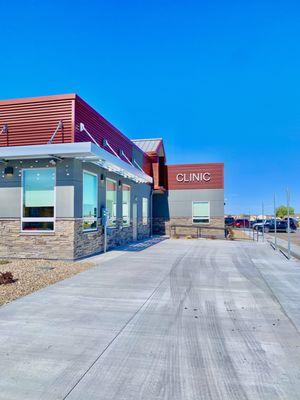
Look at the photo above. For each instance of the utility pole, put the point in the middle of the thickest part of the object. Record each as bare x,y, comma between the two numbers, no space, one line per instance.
275,222
288,222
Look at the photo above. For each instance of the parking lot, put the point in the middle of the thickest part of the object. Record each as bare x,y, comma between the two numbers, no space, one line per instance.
295,236
180,320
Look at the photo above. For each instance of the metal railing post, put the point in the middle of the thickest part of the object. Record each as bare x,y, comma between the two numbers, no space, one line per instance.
288,222
275,223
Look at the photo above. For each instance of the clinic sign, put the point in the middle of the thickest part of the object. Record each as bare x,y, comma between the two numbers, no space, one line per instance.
195,176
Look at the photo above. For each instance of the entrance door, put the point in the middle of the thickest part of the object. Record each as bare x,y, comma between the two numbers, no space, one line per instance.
134,221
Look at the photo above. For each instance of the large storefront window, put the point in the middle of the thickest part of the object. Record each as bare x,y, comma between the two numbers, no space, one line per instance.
201,212
145,211
90,201
126,204
38,199
111,201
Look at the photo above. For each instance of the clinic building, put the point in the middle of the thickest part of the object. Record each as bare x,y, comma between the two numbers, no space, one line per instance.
71,184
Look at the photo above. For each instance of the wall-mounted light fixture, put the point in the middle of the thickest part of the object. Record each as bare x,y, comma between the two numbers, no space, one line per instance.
120,183
102,178
8,172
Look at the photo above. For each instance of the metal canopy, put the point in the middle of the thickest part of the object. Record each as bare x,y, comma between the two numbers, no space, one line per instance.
84,151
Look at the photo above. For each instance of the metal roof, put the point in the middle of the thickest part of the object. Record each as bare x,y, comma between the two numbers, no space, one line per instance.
148,145
84,151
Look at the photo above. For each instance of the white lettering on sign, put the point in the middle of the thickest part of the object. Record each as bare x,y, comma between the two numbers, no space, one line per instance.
194,177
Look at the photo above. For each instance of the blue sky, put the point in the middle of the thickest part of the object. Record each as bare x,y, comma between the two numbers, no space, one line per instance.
218,80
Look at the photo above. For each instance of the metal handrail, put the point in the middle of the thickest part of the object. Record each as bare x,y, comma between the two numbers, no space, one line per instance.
198,229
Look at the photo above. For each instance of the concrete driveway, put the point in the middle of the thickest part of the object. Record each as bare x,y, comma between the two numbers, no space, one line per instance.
183,319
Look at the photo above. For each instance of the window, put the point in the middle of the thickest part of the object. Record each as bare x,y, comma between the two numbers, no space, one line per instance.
201,214
38,199
90,201
145,211
111,201
126,204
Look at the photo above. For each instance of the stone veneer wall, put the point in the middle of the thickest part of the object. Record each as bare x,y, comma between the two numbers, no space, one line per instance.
121,235
68,242
143,230
87,243
161,226
52,245
118,235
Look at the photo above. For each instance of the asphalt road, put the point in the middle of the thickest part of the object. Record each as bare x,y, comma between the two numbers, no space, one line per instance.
181,320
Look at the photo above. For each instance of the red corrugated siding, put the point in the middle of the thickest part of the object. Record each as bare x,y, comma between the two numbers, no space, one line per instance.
147,165
215,169
155,169
99,128
33,121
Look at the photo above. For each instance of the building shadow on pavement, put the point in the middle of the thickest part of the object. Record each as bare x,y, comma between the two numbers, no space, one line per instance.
141,244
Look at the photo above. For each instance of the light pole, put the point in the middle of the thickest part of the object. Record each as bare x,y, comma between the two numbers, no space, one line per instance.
263,225
275,222
288,222
250,225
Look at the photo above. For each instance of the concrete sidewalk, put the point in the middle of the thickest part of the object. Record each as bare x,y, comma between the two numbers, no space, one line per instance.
283,244
184,319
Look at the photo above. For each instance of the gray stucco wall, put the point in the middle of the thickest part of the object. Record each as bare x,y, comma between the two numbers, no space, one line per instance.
10,187
178,203
138,190
68,188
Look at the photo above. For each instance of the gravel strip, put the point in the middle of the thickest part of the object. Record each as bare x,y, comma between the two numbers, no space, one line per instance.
32,275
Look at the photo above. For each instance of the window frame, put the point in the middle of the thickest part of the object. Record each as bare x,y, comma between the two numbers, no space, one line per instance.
201,201
147,209
39,219
92,219
129,210
112,226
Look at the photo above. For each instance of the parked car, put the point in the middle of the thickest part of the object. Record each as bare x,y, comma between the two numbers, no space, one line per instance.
260,222
281,226
241,223
294,220
229,221
256,221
